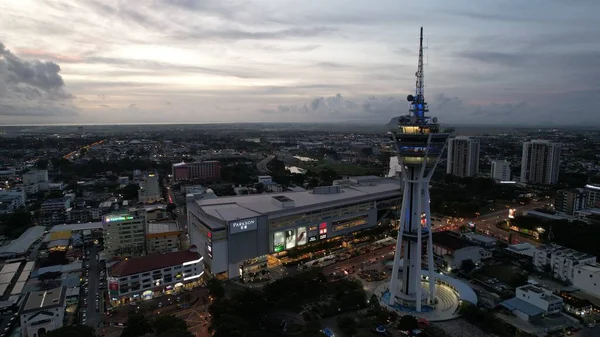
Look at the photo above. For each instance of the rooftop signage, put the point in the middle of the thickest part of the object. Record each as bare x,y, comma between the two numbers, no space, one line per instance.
112,218
240,226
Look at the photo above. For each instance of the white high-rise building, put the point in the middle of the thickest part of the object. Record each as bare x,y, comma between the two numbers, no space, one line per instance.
500,170
540,162
463,156
124,235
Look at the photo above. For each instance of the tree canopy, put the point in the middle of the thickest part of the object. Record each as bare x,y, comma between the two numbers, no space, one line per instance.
164,326
72,331
245,312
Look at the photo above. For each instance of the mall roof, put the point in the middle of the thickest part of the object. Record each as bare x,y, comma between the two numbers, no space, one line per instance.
142,264
45,299
345,190
522,306
23,242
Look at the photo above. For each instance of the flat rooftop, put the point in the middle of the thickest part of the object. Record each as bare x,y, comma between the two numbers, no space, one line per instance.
162,227
564,252
243,207
46,299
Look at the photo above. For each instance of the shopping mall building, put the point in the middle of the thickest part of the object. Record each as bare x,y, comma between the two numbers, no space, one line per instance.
233,233
146,277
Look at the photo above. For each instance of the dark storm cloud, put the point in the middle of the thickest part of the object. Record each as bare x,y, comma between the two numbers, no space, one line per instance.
31,87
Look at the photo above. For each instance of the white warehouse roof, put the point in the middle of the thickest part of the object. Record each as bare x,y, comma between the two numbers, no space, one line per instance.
23,242
77,227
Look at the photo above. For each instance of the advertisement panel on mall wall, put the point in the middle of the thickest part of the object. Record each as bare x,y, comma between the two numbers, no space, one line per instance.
313,238
290,238
113,286
278,241
302,236
240,226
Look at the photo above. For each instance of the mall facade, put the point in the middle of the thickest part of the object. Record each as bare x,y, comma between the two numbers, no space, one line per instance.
233,233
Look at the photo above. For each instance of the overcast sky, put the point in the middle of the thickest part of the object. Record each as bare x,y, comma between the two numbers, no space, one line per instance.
534,62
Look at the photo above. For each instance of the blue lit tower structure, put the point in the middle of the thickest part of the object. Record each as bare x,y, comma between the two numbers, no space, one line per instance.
419,144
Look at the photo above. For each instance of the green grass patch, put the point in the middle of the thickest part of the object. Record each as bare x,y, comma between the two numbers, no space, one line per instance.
351,169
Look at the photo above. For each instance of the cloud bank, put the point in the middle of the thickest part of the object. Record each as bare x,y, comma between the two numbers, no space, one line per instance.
31,88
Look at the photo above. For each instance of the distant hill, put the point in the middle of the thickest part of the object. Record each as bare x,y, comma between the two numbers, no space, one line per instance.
393,121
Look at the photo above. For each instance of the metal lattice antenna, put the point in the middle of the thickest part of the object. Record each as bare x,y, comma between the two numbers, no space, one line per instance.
420,91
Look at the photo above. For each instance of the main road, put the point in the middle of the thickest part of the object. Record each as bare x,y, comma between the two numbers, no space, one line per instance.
261,166
487,223
94,318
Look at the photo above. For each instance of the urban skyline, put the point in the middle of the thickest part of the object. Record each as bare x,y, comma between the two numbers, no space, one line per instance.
221,61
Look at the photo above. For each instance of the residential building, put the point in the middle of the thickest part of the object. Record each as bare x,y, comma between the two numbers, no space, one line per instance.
155,275
204,170
54,211
586,277
35,176
540,162
463,156
450,250
593,196
149,191
575,305
10,201
155,212
560,261
269,184
124,235
541,298
87,214
532,303
42,311
571,201
163,237
230,231
500,170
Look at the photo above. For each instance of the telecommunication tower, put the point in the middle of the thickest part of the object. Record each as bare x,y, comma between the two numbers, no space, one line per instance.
419,143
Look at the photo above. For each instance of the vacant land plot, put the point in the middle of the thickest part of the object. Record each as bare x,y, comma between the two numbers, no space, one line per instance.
505,273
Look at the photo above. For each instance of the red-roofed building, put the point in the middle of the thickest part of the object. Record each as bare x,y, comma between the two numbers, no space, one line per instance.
145,277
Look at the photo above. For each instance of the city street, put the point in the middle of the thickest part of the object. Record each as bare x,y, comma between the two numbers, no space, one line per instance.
94,318
588,332
487,223
355,261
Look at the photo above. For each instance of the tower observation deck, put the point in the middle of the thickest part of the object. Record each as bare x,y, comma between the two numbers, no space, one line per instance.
419,143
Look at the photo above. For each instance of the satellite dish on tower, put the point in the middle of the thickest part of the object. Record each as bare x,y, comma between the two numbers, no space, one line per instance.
410,98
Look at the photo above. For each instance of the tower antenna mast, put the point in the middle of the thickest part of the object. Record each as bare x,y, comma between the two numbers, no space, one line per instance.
420,92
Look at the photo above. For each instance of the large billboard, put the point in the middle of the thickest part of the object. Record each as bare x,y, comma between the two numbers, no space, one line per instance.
323,231
511,213
113,286
240,226
302,236
278,241
290,238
